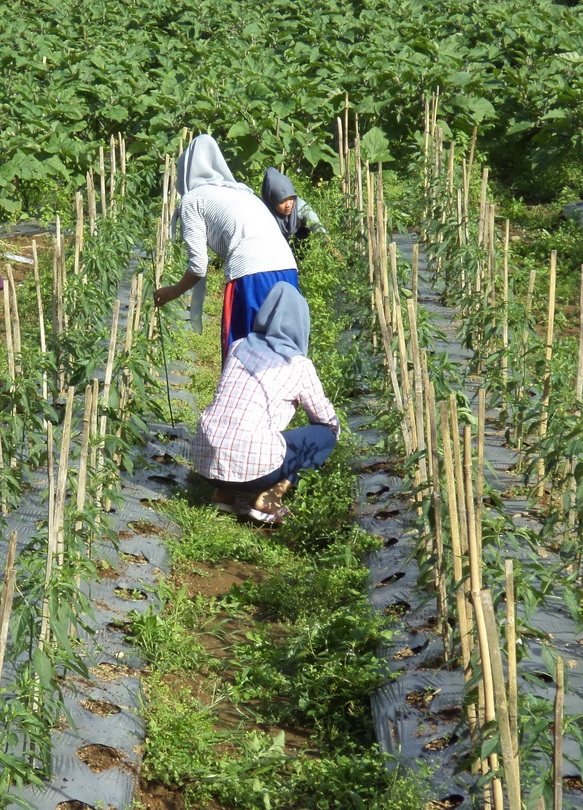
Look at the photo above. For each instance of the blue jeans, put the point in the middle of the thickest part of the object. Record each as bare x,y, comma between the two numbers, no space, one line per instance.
307,449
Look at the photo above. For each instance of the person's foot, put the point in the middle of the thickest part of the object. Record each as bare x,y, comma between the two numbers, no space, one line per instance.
227,501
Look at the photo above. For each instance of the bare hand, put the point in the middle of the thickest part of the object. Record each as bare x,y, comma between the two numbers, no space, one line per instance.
164,294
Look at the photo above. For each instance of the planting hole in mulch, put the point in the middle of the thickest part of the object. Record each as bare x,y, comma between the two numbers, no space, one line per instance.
389,542
421,700
392,578
440,743
572,783
166,480
100,758
447,803
74,805
111,672
385,514
143,526
130,594
397,609
165,458
102,708
137,559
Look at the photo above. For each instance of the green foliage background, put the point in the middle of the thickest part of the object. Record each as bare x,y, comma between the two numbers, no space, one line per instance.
270,78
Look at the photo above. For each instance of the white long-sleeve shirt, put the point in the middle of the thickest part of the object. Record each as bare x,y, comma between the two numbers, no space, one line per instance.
239,435
237,226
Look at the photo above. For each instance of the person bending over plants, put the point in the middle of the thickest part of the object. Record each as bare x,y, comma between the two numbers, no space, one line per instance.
218,212
241,444
293,215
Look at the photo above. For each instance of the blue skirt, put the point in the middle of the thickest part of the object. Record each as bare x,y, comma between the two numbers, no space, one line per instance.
242,300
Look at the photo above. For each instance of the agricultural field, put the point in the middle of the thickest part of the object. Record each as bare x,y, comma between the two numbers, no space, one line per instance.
458,126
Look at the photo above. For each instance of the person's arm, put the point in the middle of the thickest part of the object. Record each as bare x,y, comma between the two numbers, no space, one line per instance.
309,217
194,234
164,294
313,400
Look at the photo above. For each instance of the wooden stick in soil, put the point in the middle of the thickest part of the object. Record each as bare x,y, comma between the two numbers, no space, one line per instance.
480,467
41,318
578,402
61,492
91,203
7,598
547,371
457,561
519,431
440,572
44,631
415,275
14,321
512,662
505,285
347,151
482,214
106,391
558,737
102,182
112,172
508,745
122,163
9,337
476,586
79,233
341,153
3,498
418,384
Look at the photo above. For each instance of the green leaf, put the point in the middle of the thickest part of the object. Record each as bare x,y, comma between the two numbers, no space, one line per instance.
374,146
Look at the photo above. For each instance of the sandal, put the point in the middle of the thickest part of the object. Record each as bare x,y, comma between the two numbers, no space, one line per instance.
274,518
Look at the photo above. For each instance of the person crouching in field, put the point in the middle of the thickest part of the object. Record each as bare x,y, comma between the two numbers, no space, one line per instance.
217,211
295,218
241,444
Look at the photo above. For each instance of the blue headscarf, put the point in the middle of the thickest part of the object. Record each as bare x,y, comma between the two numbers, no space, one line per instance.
281,327
276,188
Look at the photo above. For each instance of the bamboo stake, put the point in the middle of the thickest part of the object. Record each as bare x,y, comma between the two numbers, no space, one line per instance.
102,182
341,153
112,172
3,496
122,163
457,559
505,343
84,456
415,275
106,392
9,336
511,763
511,647
61,492
14,321
525,333
480,467
41,318
578,403
418,385
482,216
547,371
79,233
440,573
558,746
347,151
44,631
91,203
7,598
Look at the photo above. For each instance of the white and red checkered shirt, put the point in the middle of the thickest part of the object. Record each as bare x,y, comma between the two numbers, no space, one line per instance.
239,435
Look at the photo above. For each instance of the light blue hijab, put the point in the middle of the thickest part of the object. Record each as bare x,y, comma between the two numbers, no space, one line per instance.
281,327
201,164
